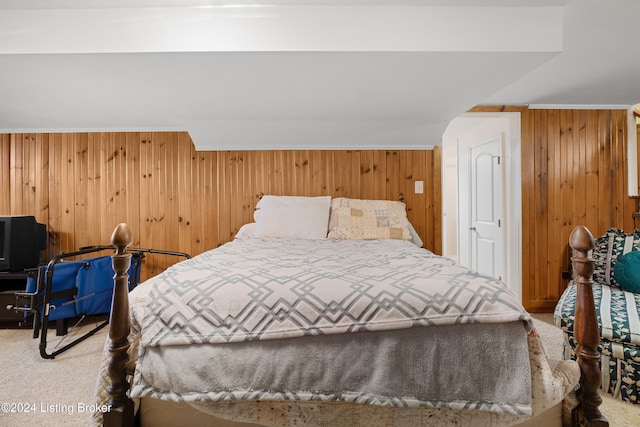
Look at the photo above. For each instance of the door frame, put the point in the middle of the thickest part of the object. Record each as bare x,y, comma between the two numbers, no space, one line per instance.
453,204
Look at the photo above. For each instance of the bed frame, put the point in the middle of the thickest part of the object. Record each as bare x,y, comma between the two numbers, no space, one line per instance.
586,333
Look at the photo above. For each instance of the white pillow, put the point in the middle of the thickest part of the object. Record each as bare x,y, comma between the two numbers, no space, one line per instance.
293,217
415,237
246,231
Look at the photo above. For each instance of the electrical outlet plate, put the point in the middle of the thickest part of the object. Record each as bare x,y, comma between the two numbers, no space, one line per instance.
419,187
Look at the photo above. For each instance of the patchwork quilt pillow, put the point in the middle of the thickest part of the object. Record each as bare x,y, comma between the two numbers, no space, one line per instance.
355,219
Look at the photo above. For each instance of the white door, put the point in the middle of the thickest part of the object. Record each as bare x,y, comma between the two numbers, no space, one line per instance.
486,231
475,133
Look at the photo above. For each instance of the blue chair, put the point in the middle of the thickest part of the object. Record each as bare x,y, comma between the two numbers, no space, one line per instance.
71,287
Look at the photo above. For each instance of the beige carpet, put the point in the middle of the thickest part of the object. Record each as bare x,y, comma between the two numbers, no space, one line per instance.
59,392
54,392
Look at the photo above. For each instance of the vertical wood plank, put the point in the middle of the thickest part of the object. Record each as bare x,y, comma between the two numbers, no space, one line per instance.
393,175
55,186
379,176
236,166
419,164
579,167
435,199
171,223
592,162
147,207
245,196
29,173
107,183
42,185
211,237
67,193
555,203
621,214
429,216
16,173
185,194
541,202
528,182
605,218
90,170
257,179
290,175
84,215
345,184
132,184
198,184
405,180
276,180
319,180
326,169
353,184
367,189
5,173
224,195
120,177
160,197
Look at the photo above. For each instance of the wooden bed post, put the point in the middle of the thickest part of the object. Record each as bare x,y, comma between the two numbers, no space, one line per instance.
121,413
586,331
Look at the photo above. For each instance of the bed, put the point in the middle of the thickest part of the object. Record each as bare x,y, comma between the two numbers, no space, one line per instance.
326,312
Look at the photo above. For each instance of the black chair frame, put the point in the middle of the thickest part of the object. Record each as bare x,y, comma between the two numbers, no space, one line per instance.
37,304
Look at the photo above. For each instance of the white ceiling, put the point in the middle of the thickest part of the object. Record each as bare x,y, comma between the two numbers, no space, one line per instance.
306,74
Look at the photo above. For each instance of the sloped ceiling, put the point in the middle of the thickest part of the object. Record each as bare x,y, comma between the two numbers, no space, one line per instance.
304,74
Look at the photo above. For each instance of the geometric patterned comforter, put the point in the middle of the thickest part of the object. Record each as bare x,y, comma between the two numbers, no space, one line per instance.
259,289
263,290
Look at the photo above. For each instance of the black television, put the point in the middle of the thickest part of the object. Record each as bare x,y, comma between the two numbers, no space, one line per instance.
21,240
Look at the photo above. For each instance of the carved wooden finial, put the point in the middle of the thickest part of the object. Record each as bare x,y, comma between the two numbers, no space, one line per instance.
122,237
581,239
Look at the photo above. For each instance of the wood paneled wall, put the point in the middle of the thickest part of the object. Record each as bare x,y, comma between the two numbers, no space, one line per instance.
574,171
82,184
